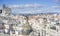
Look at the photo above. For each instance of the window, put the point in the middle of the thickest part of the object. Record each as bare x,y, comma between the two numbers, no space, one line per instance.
53,27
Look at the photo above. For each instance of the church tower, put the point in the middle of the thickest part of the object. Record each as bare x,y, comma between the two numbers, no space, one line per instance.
5,10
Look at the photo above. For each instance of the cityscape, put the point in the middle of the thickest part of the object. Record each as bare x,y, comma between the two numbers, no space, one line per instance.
35,25
30,23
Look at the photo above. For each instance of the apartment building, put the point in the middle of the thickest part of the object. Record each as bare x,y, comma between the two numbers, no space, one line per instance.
47,24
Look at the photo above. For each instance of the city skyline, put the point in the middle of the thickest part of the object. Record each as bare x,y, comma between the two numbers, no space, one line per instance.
29,17
32,6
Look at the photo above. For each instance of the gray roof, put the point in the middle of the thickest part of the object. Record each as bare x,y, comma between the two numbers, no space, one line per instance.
13,22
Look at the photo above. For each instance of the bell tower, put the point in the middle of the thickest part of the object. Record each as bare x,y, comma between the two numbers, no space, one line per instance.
5,10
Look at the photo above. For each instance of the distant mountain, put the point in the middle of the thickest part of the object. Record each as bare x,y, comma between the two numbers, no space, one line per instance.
30,14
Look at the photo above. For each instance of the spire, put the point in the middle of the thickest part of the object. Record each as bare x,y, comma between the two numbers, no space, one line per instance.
4,6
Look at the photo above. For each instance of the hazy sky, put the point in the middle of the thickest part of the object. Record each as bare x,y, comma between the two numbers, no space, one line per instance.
32,6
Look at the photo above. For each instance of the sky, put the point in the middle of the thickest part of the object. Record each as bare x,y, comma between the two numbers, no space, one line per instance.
32,6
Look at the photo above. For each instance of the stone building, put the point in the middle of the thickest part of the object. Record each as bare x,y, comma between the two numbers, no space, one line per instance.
6,11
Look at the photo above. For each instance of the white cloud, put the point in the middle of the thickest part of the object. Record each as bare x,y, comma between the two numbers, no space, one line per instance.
25,6
34,8
53,9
